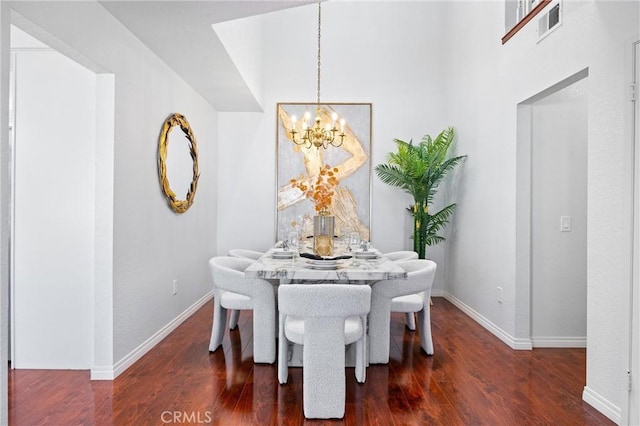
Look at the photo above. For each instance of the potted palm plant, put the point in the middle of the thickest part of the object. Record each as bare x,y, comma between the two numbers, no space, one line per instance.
418,170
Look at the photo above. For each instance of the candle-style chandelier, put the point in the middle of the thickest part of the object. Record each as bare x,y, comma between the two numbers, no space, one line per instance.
318,136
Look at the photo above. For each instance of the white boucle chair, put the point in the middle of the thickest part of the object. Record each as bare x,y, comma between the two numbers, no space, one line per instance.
246,254
239,300
418,283
323,318
400,255
397,305
229,283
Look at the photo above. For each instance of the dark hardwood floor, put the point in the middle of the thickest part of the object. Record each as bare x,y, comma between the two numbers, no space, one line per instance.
473,379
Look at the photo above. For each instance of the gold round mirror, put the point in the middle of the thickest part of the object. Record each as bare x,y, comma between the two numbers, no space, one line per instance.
177,161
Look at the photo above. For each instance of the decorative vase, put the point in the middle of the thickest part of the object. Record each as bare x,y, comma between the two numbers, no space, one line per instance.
323,226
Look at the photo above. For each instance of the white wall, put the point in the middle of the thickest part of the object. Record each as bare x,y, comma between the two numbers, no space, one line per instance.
53,212
386,53
559,188
152,246
486,81
4,209
242,39
634,350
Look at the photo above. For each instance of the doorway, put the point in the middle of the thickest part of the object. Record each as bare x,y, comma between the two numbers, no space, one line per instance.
53,197
537,212
559,218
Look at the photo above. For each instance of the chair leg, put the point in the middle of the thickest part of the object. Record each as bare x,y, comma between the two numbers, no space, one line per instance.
233,319
361,353
218,325
283,353
426,340
410,320
264,332
379,329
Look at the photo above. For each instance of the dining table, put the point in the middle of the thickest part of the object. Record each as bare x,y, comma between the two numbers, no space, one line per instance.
344,266
355,267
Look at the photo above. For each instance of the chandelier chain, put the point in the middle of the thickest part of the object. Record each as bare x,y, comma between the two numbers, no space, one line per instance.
319,27
316,134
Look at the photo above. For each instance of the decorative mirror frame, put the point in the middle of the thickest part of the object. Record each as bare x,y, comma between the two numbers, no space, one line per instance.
178,206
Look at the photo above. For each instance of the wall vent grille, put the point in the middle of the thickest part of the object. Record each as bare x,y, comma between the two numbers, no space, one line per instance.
551,20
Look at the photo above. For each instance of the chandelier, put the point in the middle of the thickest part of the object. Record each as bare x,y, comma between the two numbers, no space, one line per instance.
318,135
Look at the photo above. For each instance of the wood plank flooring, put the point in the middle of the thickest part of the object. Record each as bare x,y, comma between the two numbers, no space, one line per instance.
473,379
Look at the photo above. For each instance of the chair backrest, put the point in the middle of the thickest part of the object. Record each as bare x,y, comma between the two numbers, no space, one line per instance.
228,273
401,255
246,254
420,275
324,300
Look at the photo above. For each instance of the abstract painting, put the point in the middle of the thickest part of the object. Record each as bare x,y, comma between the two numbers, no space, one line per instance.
351,203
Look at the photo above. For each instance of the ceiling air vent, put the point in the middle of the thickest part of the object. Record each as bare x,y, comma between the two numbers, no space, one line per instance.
550,20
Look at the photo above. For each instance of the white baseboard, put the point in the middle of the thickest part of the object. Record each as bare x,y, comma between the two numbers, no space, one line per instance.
603,405
104,372
559,342
512,342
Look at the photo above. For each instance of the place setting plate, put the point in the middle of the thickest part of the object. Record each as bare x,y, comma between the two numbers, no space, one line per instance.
366,254
323,264
282,254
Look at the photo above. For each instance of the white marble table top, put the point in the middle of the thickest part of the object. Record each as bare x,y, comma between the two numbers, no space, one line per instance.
300,268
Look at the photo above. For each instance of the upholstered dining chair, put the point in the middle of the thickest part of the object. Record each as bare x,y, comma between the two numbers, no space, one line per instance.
323,318
400,255
420,275
396,256
234,291
234,314
245,254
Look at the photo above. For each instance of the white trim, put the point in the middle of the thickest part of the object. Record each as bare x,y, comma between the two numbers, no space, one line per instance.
12,203
630,413
102,372
512,342
109,373
559,342
602,405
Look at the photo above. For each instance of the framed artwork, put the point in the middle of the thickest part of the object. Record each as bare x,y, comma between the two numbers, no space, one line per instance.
351,203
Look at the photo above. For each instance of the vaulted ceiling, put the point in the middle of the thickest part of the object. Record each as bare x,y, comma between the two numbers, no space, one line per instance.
181,34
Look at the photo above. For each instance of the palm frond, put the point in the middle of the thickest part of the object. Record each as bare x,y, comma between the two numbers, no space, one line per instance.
394,176
432,240
440,219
